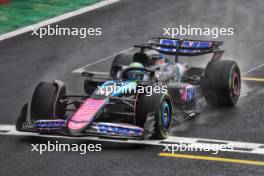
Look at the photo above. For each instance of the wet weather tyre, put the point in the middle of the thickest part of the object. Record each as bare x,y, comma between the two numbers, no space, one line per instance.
46,101
221,83
156,108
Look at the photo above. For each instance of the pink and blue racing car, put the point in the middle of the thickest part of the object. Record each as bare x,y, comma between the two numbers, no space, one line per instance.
140,96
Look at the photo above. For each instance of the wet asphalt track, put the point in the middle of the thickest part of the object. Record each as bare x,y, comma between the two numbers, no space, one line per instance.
25,60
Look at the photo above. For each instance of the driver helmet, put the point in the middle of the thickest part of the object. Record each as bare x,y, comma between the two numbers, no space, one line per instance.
135,74
162,60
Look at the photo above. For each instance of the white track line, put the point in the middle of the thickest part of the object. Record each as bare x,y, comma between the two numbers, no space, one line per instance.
57,19
83,68
239,147
253,69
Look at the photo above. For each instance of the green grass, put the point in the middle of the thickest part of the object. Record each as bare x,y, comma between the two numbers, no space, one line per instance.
21,13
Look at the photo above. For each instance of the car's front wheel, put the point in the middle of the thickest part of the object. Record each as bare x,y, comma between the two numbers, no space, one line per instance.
47,101
154,113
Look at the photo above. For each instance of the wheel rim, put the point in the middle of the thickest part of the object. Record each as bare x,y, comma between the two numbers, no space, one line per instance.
235,85
165,114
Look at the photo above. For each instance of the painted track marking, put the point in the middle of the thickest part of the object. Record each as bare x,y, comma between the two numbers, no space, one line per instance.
210,158
239,147
253,79
253,69
83,68
57,19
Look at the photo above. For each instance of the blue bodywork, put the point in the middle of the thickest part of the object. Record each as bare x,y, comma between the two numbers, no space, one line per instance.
195,45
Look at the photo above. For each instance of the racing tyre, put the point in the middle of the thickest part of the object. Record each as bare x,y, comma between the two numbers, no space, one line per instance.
46,101
221,83
120,59
155,113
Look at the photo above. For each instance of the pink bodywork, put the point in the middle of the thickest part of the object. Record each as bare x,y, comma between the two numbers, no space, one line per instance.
85,114
184,94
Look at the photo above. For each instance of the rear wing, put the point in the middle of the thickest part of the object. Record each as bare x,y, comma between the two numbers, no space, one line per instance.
178,47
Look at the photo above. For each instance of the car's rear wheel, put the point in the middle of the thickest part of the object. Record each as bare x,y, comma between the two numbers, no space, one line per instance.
155,113
47,101
221,83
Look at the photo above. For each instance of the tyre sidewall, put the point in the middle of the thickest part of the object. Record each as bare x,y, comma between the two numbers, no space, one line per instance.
46,102
153,103
216,84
